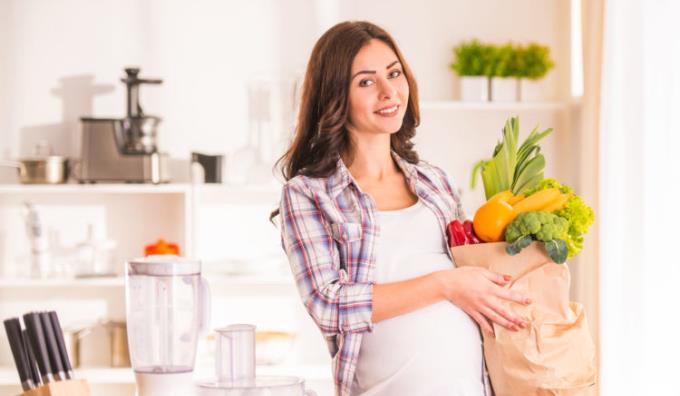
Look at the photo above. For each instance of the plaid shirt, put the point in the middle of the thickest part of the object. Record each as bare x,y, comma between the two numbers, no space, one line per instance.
329,231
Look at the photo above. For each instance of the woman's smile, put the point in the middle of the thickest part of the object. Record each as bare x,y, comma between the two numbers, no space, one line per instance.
389,111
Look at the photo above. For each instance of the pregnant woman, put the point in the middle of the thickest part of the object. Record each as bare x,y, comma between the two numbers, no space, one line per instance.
363,225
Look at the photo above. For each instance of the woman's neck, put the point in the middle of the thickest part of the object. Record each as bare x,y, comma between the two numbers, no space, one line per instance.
371,162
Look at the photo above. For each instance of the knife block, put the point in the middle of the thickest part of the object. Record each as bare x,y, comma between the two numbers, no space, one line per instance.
61,388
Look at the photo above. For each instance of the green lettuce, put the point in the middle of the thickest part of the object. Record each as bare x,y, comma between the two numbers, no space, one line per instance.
579,215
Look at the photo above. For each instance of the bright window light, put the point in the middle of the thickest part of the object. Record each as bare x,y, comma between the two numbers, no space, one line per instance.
576,50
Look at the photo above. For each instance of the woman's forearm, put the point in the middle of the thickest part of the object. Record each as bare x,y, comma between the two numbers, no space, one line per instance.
398,298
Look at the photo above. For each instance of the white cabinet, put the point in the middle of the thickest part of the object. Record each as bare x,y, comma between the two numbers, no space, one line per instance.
226,227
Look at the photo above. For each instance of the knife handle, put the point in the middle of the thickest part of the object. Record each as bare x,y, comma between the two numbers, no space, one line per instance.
13,330
52,348
32,363
35,333
59,334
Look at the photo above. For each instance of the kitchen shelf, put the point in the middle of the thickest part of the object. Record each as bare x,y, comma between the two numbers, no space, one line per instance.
451,105
8,375
125,375
102,188
223,281
217,191
61,283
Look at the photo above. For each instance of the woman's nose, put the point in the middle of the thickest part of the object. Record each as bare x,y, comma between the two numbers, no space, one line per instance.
387,90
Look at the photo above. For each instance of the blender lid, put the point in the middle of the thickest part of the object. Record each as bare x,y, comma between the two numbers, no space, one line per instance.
164,265
262,382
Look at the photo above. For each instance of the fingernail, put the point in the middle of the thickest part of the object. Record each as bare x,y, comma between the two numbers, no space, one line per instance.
507,277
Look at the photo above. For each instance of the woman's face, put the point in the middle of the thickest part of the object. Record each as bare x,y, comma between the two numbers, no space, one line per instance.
378,92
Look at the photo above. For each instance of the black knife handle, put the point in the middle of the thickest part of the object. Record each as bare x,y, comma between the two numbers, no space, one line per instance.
32,363
16,344
52,348
59,334
35,333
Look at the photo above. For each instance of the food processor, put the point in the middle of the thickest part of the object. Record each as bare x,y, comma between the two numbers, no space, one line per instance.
168,306
235,369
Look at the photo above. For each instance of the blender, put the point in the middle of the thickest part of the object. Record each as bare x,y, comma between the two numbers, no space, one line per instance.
168,305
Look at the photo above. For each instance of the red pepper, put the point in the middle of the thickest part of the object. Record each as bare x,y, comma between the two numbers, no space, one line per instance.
456,234
470,232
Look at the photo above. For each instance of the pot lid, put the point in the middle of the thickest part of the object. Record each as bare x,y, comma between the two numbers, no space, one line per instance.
47,158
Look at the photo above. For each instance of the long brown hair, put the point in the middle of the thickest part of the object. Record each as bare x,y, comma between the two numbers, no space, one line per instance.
321,135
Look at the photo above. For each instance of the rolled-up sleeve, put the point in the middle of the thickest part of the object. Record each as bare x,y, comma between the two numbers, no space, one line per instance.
336,304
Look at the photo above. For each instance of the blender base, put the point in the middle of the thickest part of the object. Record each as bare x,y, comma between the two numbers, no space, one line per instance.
166,384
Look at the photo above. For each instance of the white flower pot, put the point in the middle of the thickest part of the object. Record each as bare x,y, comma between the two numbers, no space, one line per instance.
474,89
504,89
531,90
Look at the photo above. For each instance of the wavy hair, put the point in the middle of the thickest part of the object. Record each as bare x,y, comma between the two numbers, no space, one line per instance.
321,134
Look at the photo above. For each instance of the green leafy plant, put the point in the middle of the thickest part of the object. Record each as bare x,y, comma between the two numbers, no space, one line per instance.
579,215
534,61
473,58
506,61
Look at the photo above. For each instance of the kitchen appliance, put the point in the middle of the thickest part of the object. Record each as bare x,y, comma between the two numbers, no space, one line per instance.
211,166
235,369
123,150
167,304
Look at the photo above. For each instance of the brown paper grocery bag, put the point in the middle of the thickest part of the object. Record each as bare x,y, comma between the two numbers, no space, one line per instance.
554,354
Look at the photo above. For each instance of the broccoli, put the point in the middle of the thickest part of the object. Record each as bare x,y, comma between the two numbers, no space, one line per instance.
546,227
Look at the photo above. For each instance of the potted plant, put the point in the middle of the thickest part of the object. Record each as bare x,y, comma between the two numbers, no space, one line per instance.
534,64
505,70
472,62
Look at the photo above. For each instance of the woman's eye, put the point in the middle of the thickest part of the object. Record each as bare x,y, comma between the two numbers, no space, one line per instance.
365,83
395,73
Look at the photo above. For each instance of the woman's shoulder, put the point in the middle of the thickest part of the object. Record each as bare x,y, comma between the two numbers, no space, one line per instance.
433,172
438,177
306,185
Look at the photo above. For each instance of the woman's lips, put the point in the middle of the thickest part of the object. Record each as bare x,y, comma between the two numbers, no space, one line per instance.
390,111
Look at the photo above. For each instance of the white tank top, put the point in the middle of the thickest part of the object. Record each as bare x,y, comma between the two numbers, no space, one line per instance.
435,350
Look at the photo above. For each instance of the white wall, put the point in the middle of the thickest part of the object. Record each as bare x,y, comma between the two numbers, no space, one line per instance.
63,59
427,31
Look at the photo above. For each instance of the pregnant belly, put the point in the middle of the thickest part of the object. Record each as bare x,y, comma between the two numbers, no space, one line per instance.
439,344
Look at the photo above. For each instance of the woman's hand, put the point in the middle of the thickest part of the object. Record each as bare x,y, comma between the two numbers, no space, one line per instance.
479,293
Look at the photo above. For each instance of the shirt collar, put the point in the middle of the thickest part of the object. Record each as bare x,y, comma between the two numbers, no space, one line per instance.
343,178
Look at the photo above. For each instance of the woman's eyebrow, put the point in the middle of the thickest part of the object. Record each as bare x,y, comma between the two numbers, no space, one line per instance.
373,71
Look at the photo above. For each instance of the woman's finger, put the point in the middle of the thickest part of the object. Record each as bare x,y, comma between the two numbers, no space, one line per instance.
495,304
499,279
512,295
482,322
497,318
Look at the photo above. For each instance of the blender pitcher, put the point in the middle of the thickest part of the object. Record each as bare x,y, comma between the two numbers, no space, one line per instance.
167,304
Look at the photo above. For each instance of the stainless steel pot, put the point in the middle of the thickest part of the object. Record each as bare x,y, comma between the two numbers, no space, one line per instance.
51,169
